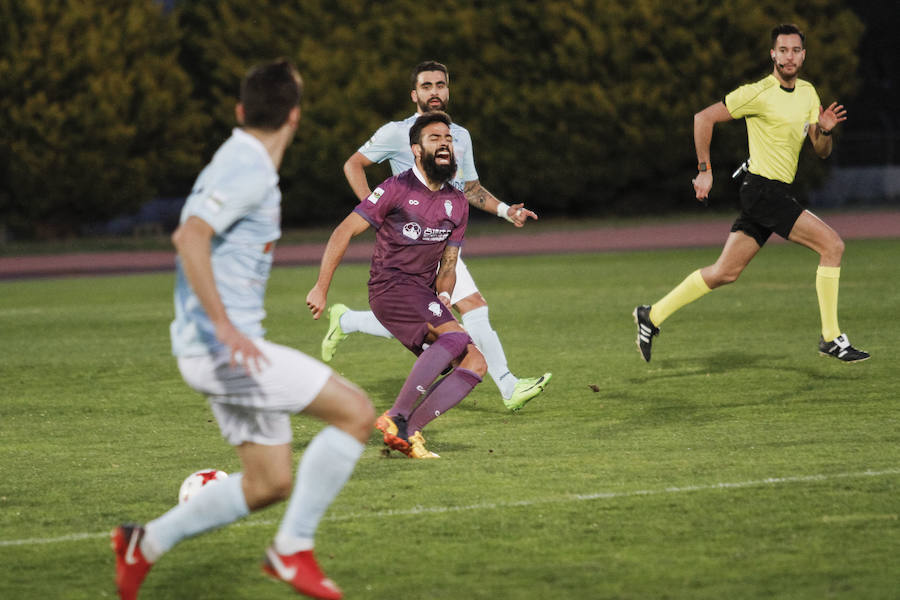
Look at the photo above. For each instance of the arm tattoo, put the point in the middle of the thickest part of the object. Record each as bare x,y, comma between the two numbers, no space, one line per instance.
448,260
476,195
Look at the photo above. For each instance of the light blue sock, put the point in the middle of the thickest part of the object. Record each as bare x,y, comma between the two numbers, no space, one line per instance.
214,505
478,326
363,321
326,466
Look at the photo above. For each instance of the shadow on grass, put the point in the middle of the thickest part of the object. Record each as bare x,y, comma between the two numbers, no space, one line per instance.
734,361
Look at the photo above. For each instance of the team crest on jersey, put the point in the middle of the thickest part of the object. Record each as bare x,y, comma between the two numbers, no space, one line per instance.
448,208
412,231
374,196
436,309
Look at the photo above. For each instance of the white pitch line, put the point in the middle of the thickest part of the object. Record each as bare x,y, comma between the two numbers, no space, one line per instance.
423,510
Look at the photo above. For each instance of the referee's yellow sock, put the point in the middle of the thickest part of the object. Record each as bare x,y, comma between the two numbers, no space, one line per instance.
827,281
692,288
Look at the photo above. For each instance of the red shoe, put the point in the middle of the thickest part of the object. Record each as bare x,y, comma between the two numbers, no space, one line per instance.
302,572
131,566
394,430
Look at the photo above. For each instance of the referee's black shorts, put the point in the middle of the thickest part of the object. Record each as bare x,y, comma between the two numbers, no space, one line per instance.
767,206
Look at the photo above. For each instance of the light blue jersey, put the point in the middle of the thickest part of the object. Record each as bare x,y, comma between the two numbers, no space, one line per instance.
237,195
391,142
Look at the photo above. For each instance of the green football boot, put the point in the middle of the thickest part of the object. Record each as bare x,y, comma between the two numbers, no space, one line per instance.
525,390
335,335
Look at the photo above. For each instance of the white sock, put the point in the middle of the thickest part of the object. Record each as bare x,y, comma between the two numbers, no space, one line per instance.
478,326
212,507
326,466
363,321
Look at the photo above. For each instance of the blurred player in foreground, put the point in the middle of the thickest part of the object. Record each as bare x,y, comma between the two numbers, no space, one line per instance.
420,221
228,229
431,91
781,111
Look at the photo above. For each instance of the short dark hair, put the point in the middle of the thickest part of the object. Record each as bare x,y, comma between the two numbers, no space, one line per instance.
269,92
434,116
787,29
428,65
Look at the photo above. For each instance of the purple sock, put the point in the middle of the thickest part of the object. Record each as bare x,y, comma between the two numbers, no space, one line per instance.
427,367
447,394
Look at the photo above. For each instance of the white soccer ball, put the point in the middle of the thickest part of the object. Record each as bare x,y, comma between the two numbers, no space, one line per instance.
197,480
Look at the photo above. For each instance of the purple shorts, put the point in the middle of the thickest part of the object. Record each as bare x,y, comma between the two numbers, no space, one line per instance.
406,308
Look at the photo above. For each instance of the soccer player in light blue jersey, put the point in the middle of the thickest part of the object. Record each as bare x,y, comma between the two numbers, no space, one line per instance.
431,92
228,229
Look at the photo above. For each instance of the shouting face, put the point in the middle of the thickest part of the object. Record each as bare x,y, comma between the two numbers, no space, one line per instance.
436,155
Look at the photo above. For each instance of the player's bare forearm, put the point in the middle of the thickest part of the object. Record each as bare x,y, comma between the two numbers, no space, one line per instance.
446,275
479,197
355,172
331,258
337,245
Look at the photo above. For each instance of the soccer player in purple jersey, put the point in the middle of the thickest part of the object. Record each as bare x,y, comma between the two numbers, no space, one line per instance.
420,221
430,90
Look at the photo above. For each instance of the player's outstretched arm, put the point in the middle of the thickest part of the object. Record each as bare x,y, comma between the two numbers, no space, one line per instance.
479,197
192,241
350,227
355,172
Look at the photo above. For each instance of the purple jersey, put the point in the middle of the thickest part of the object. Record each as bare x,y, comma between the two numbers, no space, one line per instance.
414,225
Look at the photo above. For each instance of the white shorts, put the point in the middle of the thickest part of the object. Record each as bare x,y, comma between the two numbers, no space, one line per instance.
465,285
257,408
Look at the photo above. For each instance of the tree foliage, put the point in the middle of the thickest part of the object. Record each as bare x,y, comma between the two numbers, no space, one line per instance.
575,106
95,114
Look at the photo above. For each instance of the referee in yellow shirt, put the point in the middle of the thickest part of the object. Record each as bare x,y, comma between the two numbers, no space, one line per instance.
780,111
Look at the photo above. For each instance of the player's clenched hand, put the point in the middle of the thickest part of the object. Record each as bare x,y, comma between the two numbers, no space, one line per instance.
702,184
243,351
519,214
316,300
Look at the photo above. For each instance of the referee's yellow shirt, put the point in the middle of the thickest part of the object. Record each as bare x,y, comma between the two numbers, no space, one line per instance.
777,123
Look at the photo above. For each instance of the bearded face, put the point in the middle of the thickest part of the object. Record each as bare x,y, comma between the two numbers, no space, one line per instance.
433,103
788,55
431,91
440,165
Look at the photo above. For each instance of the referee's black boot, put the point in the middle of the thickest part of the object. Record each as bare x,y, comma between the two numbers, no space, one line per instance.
841,349
646,330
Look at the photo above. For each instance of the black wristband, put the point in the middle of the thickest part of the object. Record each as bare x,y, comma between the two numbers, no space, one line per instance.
823,132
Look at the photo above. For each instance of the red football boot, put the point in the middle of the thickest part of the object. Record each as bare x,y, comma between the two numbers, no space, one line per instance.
131,566
302,572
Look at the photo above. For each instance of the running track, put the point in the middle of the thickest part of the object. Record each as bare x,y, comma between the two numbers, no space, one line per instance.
530,240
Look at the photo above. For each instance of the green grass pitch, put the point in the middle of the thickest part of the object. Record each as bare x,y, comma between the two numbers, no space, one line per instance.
738,464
